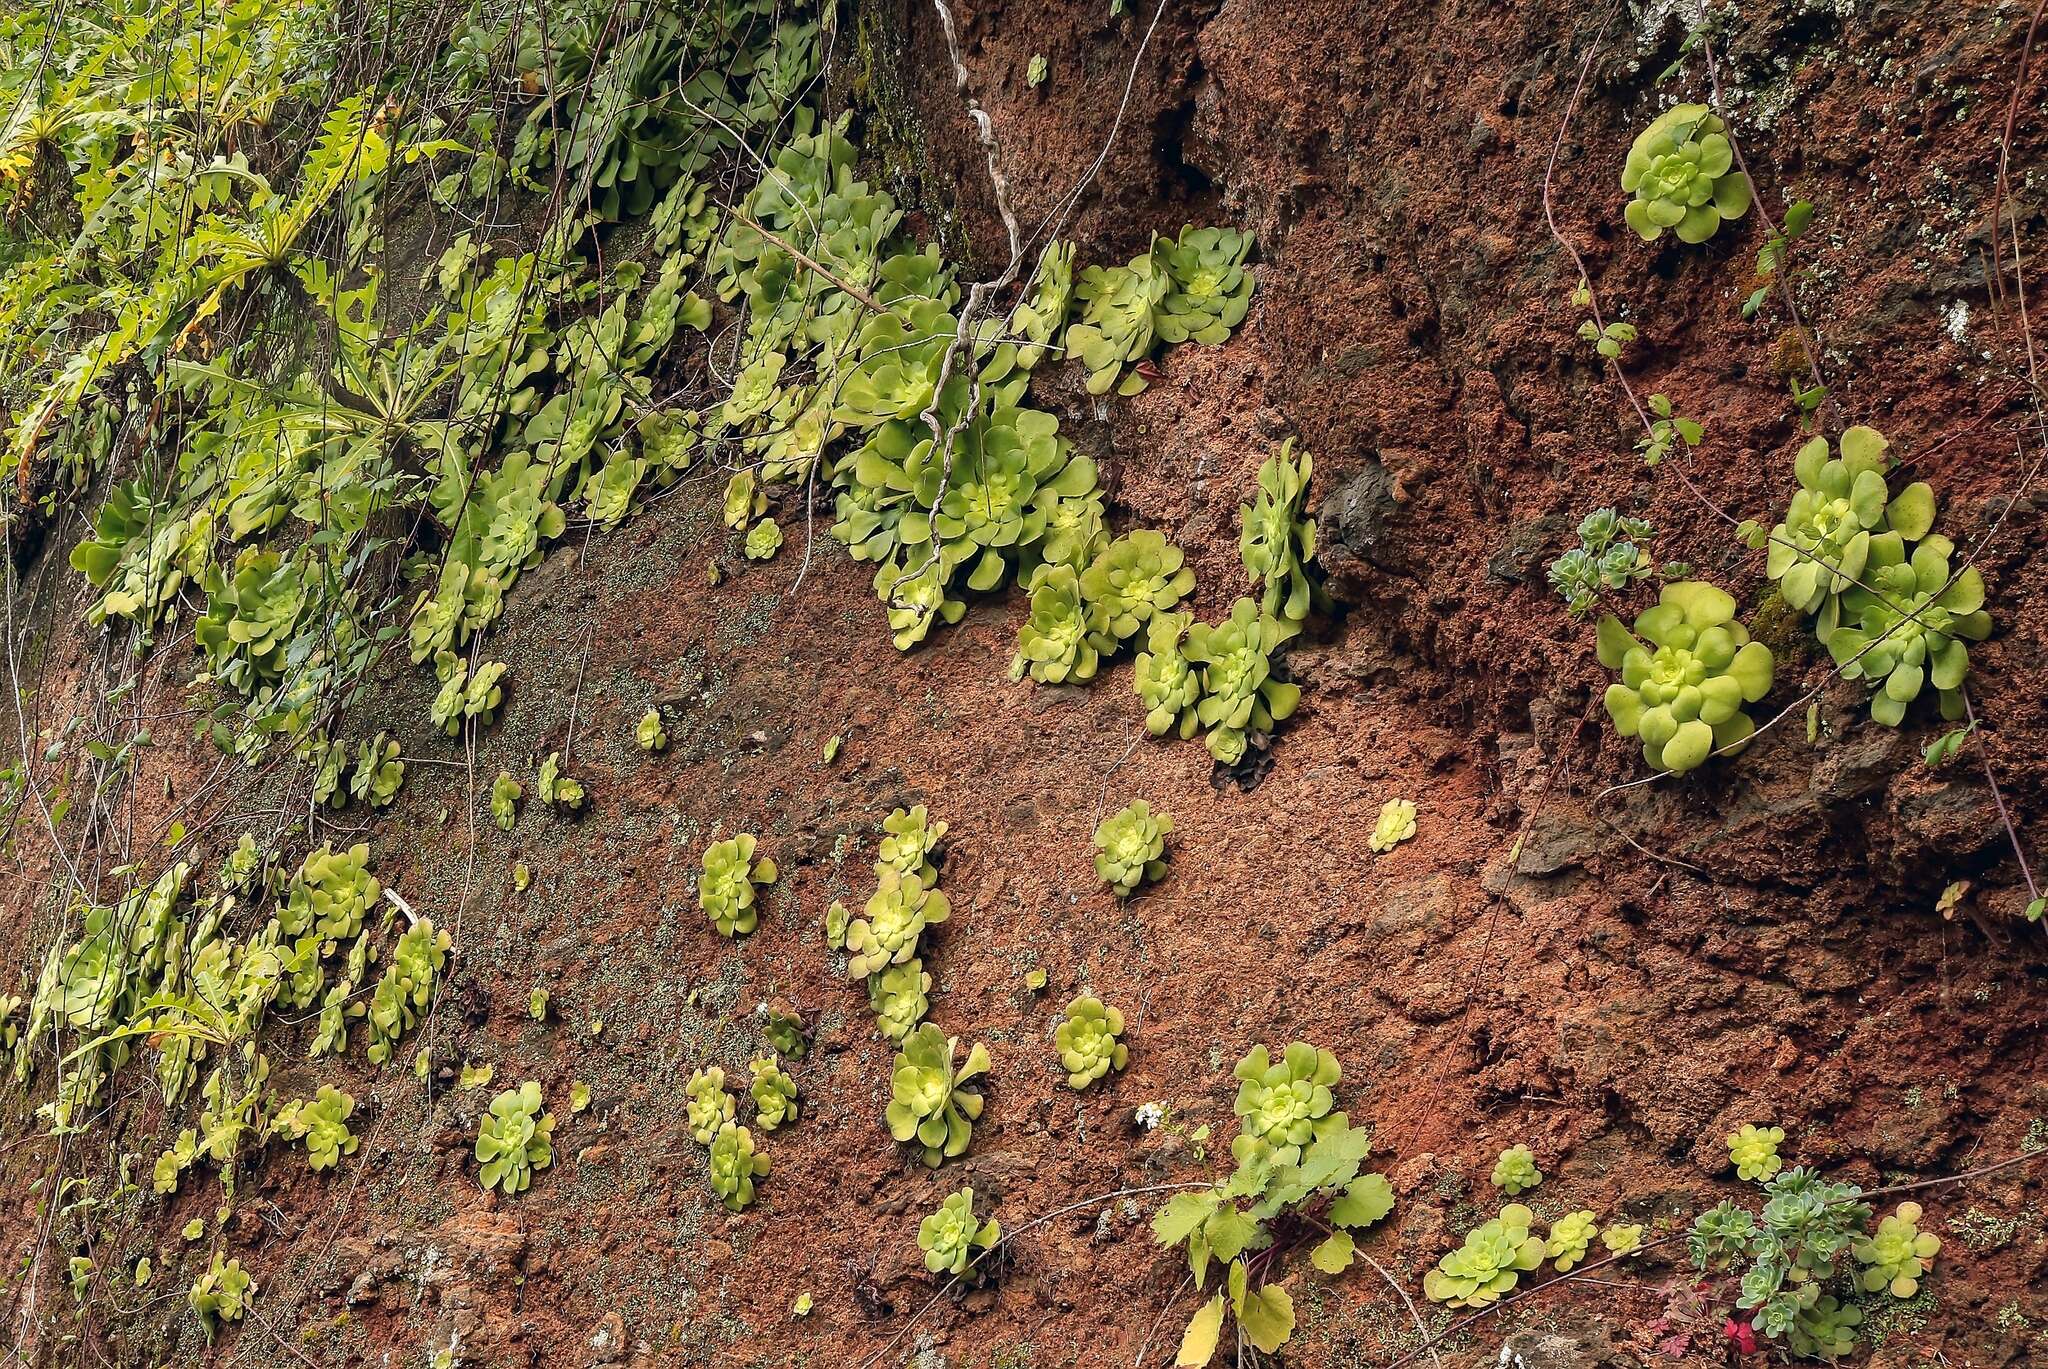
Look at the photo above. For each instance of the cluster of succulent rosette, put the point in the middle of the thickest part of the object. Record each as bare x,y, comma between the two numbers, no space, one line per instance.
1858,557
712,1114
883,943
1299,1170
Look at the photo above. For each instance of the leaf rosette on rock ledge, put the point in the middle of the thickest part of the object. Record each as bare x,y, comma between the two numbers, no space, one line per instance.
1686,671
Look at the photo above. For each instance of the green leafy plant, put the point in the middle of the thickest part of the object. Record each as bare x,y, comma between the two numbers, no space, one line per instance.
1569,1238
1607,557
1034,73
1134,577
726,890
1491,1261
379,772
505,795
514,1139
1194,287
322,1123
1610,339
1282,1192
1686,671
1396,824
1118,324
1770,258
1943,748
1241,699
1088,1041
735,1165
557,788
330,895
1806,401
1683,174
1825,1330
1668,430
182,1154
1277,540
708,1105
1516,1171
1912,628
895,918
221,1294
774,1093
899,997
1130,847
953,1238
909,841
650,734
1753,1150
930,1108
1897,1254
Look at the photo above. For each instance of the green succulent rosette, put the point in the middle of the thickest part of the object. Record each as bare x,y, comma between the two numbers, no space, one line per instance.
1686,671
1130,847
1283,1105
930,1109
1167,682
1211,287
899,996
513,1139
735,1164
1912,629
1054,643
1682,172
1278,540
1493,1257
1842,519
726,887
896,915
1136,576
1240,697
773,1092
952,1236
1088,1041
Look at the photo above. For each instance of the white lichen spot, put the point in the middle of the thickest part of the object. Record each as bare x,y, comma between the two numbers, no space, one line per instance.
1956,319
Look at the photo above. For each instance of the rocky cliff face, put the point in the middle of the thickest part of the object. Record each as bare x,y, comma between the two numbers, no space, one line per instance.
1617,977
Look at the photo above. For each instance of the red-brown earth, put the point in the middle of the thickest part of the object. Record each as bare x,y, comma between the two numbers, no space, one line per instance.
1532,967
